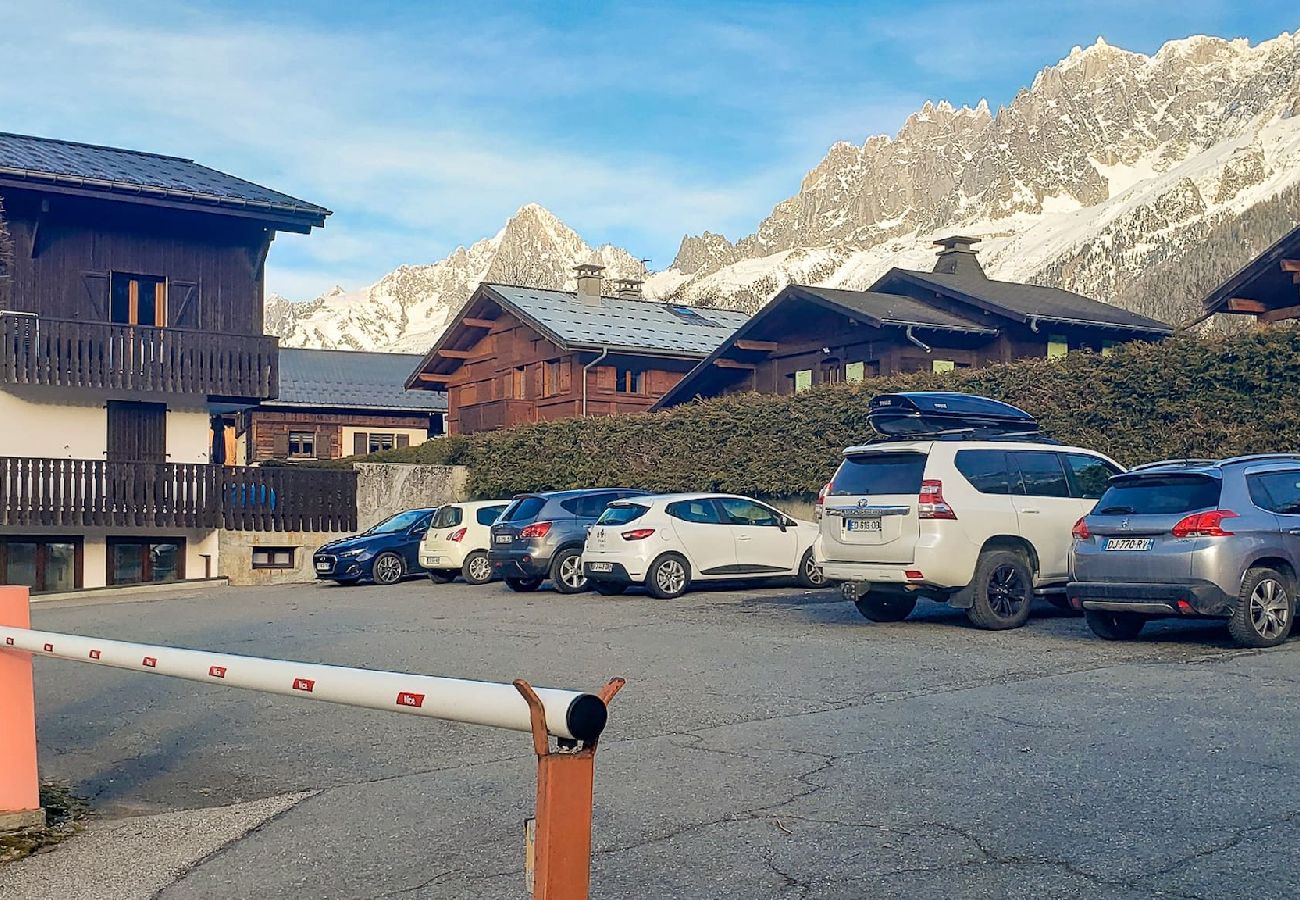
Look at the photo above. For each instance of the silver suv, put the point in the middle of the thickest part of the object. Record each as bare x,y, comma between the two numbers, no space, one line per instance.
1193,538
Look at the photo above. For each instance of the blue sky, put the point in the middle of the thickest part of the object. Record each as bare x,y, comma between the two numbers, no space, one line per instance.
424,125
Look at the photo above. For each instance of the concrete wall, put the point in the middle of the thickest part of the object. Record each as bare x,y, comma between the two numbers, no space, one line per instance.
236,549
387,488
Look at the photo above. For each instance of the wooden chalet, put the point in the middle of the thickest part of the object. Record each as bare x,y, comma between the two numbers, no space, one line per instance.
954,317
518,354
1267,288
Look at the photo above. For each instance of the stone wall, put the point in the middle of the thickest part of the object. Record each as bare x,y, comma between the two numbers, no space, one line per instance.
235,555
387,488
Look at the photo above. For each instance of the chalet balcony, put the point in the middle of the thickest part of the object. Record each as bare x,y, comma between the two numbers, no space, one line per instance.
94,493
493,414
76,354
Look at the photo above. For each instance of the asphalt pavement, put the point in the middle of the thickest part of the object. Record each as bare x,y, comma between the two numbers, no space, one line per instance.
769,743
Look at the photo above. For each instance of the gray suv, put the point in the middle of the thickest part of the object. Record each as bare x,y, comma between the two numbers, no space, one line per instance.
1218,539
540,536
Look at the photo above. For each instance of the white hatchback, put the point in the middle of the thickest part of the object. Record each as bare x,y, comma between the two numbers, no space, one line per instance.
457,541
671,541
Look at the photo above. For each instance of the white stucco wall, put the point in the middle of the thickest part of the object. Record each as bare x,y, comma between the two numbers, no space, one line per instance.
95,547
415,435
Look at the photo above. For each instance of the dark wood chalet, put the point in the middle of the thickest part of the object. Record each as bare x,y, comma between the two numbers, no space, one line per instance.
519,354
954,317
1267,288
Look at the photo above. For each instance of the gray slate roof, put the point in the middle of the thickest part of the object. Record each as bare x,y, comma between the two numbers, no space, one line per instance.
619,323
893,309
109,169
346,379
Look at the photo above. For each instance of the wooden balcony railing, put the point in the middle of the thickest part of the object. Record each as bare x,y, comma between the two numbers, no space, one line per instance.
87,492
71,353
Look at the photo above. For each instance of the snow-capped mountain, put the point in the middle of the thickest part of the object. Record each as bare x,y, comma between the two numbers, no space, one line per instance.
1140,180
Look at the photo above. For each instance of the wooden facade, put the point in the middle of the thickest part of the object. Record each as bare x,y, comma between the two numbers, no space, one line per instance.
267,431
1267,288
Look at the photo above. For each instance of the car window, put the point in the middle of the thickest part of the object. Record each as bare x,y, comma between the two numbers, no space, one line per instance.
879,473
747,512
621,514
588,506
1153,495
403,521
986,470
523,509
1088,475
701,512
448,517
1041,473
488,514
1277,492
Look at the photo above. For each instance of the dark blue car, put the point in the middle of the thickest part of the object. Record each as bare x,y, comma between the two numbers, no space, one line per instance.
385,554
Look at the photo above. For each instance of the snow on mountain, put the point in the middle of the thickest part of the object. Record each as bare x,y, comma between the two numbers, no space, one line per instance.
1140,180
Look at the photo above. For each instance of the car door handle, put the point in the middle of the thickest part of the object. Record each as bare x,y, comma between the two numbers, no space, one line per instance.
1030,512
744,537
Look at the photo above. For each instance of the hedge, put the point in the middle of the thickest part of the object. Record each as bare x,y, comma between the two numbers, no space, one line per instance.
1187,396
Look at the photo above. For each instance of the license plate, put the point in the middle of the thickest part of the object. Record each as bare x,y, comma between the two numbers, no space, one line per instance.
1128,544
322,567
600,567
502,538
862,524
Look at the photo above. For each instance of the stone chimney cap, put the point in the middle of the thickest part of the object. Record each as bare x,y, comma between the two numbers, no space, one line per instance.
589,268
957,242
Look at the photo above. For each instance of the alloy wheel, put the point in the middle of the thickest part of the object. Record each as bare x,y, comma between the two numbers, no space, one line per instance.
388,569
1270,609
1006,591
571,572
813,572
671,576
480,569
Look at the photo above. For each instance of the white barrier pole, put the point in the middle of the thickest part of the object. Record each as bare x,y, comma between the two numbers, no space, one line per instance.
569,715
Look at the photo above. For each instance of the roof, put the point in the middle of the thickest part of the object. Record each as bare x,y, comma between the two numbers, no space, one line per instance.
1026,302
893,309
133,174
347,379
1262,279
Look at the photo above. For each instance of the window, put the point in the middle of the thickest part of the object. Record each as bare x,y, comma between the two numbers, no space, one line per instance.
137,299
1057,346
41,563
622,514
1040,473
448,517
1277,492
137,432
627,381
802,380
141,561
302,444
986,470
489,514
588,506
686,314
519,384
551,378
699,512
879,473
379,441
1088,475
410,520
273,557
942,365
1158,495
523,509
831,371
747,512
855,372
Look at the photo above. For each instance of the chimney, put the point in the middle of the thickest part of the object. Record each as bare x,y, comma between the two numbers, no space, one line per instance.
957,257
589,282
628,288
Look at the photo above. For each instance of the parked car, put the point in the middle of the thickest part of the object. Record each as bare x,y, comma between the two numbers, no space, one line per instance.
976,515
672,541
1193,538
458,539
540,536
385,553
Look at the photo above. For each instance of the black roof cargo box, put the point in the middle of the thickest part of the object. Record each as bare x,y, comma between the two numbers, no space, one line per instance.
918,413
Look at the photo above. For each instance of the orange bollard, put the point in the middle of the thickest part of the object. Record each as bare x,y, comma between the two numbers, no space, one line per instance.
20,796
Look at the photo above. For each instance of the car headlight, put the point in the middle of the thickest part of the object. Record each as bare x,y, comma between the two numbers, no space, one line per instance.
352,554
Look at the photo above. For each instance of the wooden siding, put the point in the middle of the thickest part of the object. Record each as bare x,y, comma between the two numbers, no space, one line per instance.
268,430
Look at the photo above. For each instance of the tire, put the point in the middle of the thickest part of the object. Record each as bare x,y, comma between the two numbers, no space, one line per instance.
1110,625
886,606
441,576
476,569
1265,609
609,588
387,569
810,574
523,585
566,572
669,577
1001,591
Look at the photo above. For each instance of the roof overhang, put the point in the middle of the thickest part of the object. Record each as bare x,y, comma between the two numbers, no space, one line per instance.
1269,283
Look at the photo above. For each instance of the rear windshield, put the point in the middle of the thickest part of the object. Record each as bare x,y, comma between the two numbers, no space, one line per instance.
621,515
879,473
523,509
488,514
447,517
1154,495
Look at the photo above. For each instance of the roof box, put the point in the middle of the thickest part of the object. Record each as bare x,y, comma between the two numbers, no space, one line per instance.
918,413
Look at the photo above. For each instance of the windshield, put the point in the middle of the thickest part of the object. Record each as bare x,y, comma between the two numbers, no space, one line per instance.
621,514
1155,495
399,522
523,509
879,473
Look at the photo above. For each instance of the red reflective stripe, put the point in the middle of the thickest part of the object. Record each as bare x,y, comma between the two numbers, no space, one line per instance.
217,671
303,684
151,662
94,654
49,648
406,698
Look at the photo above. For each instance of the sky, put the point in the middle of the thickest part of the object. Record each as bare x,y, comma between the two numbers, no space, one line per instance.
424,125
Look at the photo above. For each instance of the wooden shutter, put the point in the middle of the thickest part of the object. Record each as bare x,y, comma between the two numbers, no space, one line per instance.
182,304
566,375
137,432
280,443
403,440
96,293
360,443
322,443
605,378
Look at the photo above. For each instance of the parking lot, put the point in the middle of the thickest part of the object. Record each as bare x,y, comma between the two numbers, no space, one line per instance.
769,743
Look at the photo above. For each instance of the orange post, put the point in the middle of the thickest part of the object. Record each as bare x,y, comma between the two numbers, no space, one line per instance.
20,799
562,851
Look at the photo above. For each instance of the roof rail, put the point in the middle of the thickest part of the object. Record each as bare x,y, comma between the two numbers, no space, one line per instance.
1187,462
1034,436
1259,457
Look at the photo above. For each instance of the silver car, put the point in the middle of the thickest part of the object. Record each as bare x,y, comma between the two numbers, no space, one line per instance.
1193,538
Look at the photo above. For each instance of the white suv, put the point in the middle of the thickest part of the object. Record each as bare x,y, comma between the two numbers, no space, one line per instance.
458,539
981,524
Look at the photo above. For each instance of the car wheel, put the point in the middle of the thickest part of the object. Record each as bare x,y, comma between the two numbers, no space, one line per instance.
523,585
477,569
387,568
669,577
566,572
1265,609
810,574
1001,591
886,606
609,588
1114,626
441,576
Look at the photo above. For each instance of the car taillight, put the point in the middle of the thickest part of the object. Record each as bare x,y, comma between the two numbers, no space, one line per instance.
1206,524
1080,530
821,500
930,503
535,530
458,535
638,534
